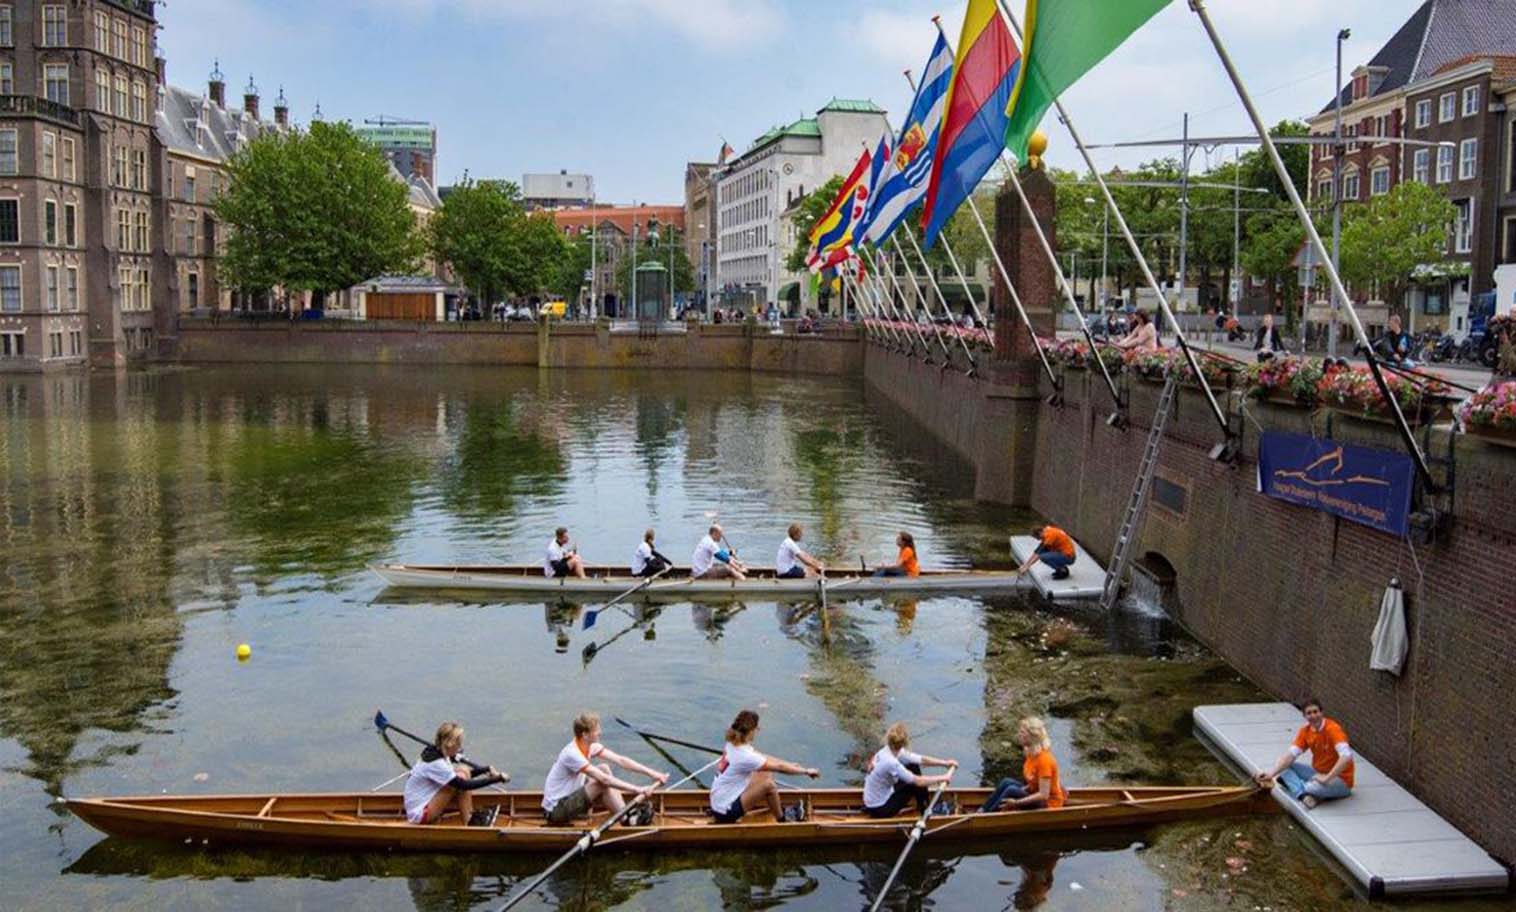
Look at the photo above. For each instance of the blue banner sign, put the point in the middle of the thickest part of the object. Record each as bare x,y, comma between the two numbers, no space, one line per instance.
1365,485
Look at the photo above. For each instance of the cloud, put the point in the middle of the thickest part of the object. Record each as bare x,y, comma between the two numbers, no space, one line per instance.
709,24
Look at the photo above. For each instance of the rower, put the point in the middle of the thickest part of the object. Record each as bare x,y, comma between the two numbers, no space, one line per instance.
746,780
1039,786
712,559
646,561
562,559
1054,548
905,564
575,785
442,775
894,776
793,563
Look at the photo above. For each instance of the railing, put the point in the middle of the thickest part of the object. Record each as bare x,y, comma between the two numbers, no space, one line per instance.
41,107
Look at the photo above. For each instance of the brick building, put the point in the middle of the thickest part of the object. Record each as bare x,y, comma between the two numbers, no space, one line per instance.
614,227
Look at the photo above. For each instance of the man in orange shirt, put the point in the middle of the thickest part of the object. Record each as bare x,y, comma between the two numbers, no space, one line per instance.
1054,548
1330,773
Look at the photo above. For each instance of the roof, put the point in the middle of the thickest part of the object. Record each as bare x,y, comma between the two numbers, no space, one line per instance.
575,221
191,124
805,127
405,283
422,193
852,106
1438,33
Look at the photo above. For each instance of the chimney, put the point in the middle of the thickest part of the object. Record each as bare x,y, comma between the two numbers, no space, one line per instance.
250,99
281,109
218,86
160,66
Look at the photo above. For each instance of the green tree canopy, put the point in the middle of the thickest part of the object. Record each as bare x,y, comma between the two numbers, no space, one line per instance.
495,246
1385,239
315,210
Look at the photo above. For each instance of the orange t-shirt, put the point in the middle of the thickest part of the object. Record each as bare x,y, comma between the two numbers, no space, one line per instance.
1057,539
1038,767
1323,747
908,561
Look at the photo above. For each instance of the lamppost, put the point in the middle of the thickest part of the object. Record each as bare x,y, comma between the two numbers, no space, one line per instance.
1105,234
1337,152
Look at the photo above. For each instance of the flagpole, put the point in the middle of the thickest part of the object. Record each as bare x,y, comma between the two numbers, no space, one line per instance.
914,335
927,268
881,299
907,314
866,306
1314,237
1147,272
926,305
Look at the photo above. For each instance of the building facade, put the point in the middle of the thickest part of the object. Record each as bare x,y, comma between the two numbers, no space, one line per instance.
754,189
557,191
699,217
614,228
410,145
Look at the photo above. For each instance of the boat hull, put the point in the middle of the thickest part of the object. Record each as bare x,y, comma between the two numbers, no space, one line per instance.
368,821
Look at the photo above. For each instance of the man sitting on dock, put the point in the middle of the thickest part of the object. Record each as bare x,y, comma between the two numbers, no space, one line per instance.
1054,548
561,559
712,559
1330,773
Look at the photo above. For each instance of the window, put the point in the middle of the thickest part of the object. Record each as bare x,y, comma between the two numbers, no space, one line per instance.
1468,157
7,78
1470,100
102,33
120,95
49,222
118,32
10,289
12,344
139,169
139,47
1422,170
75,338
70,225
1350,186
118,166
103,91
1379,129
10,221
71,291
1379,181
142,233
55,82
189,186
139,101
52,289
54,26
123,230
192,283
1444,164
1463,226
68,159
1447,106
55,344
189,236
144,292
8,161
1424,112
6,38
49,154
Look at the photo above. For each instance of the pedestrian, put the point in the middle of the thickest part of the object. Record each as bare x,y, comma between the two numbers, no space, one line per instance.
1054,547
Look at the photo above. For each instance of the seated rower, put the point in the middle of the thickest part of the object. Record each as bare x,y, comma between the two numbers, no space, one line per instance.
576,785
1039,786
442,776
712,559
562,558
793,563
894,776
646,561
906,564
746,778
1330,773
1054,548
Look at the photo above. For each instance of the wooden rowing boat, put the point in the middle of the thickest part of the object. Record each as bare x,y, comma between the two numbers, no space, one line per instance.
611,581
372,821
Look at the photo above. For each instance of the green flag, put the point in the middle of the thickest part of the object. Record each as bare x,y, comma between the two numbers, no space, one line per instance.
1064,39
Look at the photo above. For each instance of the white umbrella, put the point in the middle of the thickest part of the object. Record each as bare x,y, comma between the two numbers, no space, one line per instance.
1389,632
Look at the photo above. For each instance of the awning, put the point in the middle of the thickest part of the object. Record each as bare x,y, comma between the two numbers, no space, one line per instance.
953,293
789,291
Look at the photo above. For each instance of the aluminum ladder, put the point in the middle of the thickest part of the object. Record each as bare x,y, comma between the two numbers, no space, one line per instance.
1136,508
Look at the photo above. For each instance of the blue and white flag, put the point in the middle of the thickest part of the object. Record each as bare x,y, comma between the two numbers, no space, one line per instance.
904,179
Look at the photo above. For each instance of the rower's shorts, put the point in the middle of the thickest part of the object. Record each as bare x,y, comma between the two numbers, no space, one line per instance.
731,814
574,804
560,567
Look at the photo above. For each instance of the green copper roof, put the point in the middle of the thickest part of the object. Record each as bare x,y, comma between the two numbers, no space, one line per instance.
805,126
852,106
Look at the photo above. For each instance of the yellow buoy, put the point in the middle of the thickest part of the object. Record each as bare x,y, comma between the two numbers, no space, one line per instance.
244,652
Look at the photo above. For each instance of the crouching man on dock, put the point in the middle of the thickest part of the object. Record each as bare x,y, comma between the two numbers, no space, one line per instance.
1330,772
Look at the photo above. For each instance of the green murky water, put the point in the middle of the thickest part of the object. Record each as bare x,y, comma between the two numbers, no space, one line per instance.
150,522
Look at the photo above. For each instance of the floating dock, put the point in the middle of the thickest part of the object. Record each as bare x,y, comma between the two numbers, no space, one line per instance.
1086,577
1391,843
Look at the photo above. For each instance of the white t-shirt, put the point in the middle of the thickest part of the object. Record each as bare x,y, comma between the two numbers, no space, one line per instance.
741,763
426,779
889,768
567,774
788,556
555,552
704,556
640,557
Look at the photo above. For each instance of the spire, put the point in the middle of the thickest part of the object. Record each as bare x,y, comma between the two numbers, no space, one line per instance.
218,85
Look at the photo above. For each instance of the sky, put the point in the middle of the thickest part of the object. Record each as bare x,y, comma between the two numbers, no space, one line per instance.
631,90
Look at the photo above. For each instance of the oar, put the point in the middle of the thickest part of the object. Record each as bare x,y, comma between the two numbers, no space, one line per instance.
588,840
665,738
593,648
910,843
384,724
589,616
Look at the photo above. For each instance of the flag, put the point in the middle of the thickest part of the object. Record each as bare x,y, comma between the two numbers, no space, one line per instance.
1064,39
973,121
834,229
905,176
725,153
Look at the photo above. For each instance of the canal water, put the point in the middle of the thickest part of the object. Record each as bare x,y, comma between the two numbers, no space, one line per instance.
153,521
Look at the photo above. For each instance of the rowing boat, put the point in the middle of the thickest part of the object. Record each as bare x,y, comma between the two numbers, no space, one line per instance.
370,821
677,583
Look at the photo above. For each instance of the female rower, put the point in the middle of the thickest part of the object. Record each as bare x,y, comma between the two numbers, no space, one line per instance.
441,775
906,564
746,781
1039,787
646,561
894,775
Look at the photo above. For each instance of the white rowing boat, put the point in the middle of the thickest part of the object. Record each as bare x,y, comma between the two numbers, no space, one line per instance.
611,581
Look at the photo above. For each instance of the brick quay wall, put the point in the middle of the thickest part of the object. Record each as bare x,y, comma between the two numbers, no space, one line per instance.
1287,595
563,345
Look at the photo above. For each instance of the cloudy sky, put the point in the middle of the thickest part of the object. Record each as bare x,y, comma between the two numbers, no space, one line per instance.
629,90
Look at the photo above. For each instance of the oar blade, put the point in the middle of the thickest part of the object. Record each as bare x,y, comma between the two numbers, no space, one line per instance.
380,722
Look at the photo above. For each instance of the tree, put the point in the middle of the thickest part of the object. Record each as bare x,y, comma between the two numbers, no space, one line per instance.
1384,240
496,248
812,208
1274,237
1258,170
568,279
315,210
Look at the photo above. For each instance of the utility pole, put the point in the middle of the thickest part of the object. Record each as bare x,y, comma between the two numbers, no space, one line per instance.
1337,152
633,273
1236,289
594,266
1184,208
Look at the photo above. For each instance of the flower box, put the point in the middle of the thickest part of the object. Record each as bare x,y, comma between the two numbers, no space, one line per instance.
1505,437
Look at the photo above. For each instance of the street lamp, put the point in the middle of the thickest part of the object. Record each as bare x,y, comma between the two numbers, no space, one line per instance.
1105,233
1337,152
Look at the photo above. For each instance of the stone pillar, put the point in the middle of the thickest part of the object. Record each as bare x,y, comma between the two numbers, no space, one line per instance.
1025,260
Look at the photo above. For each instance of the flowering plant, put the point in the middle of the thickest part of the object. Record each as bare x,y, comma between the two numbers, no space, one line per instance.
1492,407
1152,364
1288,375
1354,389
1075,353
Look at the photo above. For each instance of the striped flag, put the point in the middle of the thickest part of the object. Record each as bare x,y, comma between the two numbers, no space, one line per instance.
834,228
908,171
